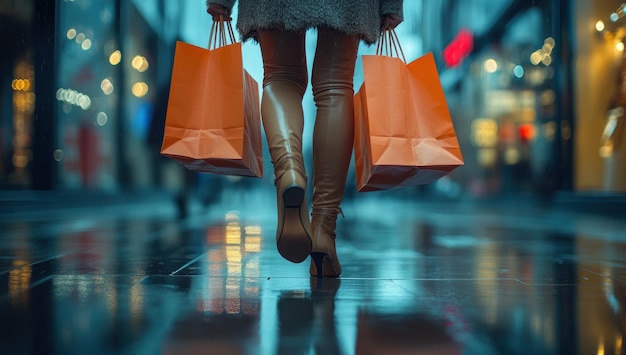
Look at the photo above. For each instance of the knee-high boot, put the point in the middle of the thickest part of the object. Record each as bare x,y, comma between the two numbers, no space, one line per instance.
283,122
284,84
332,149
333,138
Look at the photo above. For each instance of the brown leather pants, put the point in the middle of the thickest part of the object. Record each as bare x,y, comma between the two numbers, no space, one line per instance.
284,83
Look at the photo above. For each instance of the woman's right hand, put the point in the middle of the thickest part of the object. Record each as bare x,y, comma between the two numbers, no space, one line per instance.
217,10
390,22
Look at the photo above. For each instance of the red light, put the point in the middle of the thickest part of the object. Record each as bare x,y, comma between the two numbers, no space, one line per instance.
460,47
526,132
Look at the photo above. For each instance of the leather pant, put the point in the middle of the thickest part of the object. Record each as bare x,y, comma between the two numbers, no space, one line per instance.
285,81
284,84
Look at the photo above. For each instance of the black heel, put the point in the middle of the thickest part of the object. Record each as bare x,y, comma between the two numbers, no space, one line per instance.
318,260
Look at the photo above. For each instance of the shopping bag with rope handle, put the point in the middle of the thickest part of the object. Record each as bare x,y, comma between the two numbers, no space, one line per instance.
404,134
213,117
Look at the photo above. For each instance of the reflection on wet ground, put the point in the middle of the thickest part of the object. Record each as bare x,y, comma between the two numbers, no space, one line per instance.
419,278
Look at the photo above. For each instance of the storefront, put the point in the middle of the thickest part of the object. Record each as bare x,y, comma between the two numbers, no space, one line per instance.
600,147
79,88
17,92
106,89
507,81
538,101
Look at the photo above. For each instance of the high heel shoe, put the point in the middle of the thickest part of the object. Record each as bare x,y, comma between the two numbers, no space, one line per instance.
324,261
293,236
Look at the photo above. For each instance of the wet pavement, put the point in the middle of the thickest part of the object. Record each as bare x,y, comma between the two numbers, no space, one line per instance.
419,278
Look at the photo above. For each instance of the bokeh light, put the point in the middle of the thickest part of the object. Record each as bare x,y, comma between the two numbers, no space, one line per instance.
140,63
140,89
115,58
106,86
71,33
491,66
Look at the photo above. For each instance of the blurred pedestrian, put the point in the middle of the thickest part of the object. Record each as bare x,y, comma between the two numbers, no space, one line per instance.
279,27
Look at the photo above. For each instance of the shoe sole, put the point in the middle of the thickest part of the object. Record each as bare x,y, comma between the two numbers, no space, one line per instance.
294,243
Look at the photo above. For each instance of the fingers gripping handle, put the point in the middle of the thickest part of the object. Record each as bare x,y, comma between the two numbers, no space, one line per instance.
222,34
389,45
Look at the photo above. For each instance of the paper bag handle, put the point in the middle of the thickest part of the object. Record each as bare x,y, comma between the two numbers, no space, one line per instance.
222,34
389,45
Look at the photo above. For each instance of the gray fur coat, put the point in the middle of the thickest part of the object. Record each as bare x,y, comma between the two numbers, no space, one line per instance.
359,17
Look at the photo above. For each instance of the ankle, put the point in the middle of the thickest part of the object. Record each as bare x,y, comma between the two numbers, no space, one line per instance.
289,168
332,212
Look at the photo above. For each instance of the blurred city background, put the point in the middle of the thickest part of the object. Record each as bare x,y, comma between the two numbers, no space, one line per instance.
533,88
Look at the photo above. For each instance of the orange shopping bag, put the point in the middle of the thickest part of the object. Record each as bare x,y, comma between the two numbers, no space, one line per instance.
213,116
403,130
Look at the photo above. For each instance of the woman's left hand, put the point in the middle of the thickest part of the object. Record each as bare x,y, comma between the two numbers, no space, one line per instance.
390,22
217,10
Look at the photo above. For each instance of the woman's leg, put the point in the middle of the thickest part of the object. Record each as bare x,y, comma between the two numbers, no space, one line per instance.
284,84
333,136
